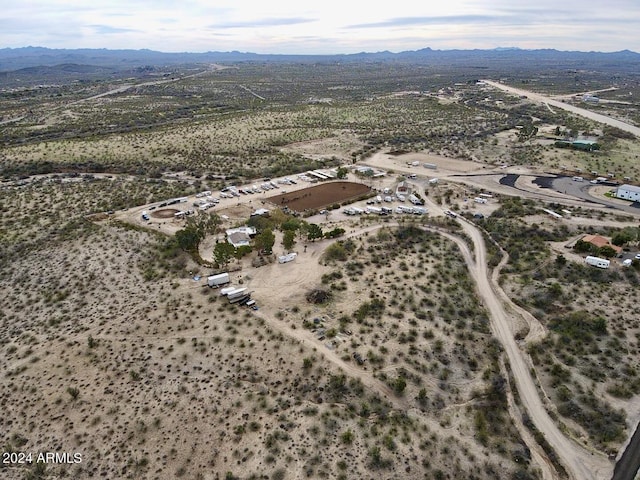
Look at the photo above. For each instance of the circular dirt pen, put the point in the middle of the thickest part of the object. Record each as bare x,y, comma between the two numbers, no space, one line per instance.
165,213
320,196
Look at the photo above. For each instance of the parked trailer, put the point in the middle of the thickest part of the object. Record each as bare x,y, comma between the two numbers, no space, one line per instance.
404,209
238,292
419,211
480,200
217,280
597,262
374,210
242,298
226,290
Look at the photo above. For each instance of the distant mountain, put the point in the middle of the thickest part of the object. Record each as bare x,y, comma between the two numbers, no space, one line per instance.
12,59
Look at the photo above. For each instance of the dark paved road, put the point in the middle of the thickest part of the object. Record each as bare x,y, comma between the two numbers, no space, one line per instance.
628,465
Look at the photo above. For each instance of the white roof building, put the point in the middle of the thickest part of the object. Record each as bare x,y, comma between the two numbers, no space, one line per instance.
240,236
628,192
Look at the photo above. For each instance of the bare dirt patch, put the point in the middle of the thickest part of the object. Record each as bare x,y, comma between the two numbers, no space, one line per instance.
320,195
165,213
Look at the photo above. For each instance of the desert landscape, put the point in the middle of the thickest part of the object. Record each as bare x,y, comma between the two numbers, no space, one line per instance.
420,307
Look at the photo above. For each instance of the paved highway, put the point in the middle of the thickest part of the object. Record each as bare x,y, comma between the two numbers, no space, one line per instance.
536,97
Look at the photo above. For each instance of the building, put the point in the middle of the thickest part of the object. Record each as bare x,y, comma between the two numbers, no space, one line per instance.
600,241
628,192
240,236
403,188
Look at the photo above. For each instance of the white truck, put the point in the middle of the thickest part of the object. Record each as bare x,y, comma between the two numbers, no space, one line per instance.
217,280
289,257
597,262
415,200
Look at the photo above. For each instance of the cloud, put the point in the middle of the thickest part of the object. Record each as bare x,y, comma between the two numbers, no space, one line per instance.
265,22
441,20
107,30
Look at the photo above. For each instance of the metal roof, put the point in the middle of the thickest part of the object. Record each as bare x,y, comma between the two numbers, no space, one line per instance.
629,188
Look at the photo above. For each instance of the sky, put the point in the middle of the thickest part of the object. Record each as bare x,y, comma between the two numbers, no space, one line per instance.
321,27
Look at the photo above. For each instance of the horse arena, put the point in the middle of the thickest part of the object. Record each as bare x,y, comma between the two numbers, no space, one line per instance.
320,196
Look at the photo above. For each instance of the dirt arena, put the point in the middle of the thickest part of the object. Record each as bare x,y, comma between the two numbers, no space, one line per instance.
165,213
320,195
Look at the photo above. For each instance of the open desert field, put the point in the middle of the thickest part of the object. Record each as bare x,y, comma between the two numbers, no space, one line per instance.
466,339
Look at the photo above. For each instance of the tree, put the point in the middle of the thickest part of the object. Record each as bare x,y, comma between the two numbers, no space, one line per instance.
582,247
625,236
188,239
314,232
195,230
607,252
265,241
223,252
289,239
336,232
342,172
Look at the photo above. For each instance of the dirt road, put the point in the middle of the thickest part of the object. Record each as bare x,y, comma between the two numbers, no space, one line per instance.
536,97
582,464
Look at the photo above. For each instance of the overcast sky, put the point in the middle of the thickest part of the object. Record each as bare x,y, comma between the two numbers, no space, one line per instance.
325,26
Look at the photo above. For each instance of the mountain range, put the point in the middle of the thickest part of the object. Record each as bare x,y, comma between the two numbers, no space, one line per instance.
12,59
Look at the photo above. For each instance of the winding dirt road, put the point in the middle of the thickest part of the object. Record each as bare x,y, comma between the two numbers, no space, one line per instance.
582,464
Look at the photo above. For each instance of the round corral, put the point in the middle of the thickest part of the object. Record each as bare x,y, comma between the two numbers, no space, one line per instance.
320,196
165,213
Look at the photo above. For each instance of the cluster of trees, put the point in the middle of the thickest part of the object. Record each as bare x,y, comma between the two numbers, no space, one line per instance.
292,229
196,229
585,247
625,236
